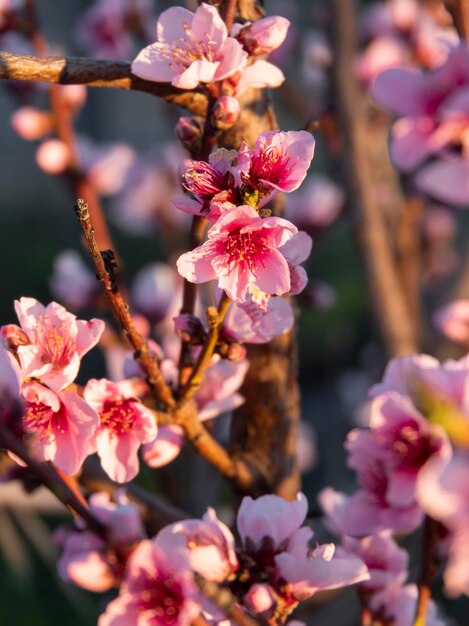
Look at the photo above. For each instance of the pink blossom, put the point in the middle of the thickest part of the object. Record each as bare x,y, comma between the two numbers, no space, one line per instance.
250,323
218,391
433,108
154,290
264,36
84,561
11,408
242,252
259,75
106,167
278,162
58,341
381,54
191,48
208,543
399,604
322,569
125,425
386,562
158,590
165,447
270,518
61,426
71,281
225,112
453,321
446,179
122,518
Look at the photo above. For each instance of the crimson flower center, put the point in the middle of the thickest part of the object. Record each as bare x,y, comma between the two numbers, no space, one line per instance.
118,414
161,599
40,418
245,248
270,164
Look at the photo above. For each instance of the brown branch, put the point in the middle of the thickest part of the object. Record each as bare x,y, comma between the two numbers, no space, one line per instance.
459,11
53,481
428,570
104,263
387,299
228,10
94,73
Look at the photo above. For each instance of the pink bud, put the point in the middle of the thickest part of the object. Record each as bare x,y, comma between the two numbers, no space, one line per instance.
225,112
125,526
236,352
53,156
189,133
264,35
453,321
260,599
73,96
165,448
13,336
31,123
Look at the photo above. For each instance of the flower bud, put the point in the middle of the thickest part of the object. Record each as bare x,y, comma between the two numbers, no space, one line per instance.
31,123
225,112
53,156
12,336
73,96
260,600
189,133
264,35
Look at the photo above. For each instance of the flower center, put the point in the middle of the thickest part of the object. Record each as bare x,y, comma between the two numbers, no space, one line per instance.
55,342
41,419
204,180
412,448
270,164
244,248
118,415
161,599
185,50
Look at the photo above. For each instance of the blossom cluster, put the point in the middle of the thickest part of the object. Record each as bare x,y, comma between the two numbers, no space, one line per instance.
272,567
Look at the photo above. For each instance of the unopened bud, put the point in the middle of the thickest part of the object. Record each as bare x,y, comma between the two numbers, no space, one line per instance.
53,156
13,336
236,352
260,600
225,112
31,123
264,35
189,133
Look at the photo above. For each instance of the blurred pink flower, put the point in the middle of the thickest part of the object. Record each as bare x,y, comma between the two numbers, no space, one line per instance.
61,426
154,289
158,590
447,179
125,425
385,560
58,341
260,600
399,604
208,543
218,392
31,123
53,156
242,252
191,48
71,281
316,205
453,321
250,323
433,108
165,447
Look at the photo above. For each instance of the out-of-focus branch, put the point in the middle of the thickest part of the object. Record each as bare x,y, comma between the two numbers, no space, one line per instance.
53,481
224,600
428,569
228,12
459,10
94,73
387,298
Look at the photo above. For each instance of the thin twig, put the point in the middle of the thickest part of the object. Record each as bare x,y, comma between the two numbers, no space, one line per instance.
104,264
387,298
51,479
427,571
94,73
215,319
